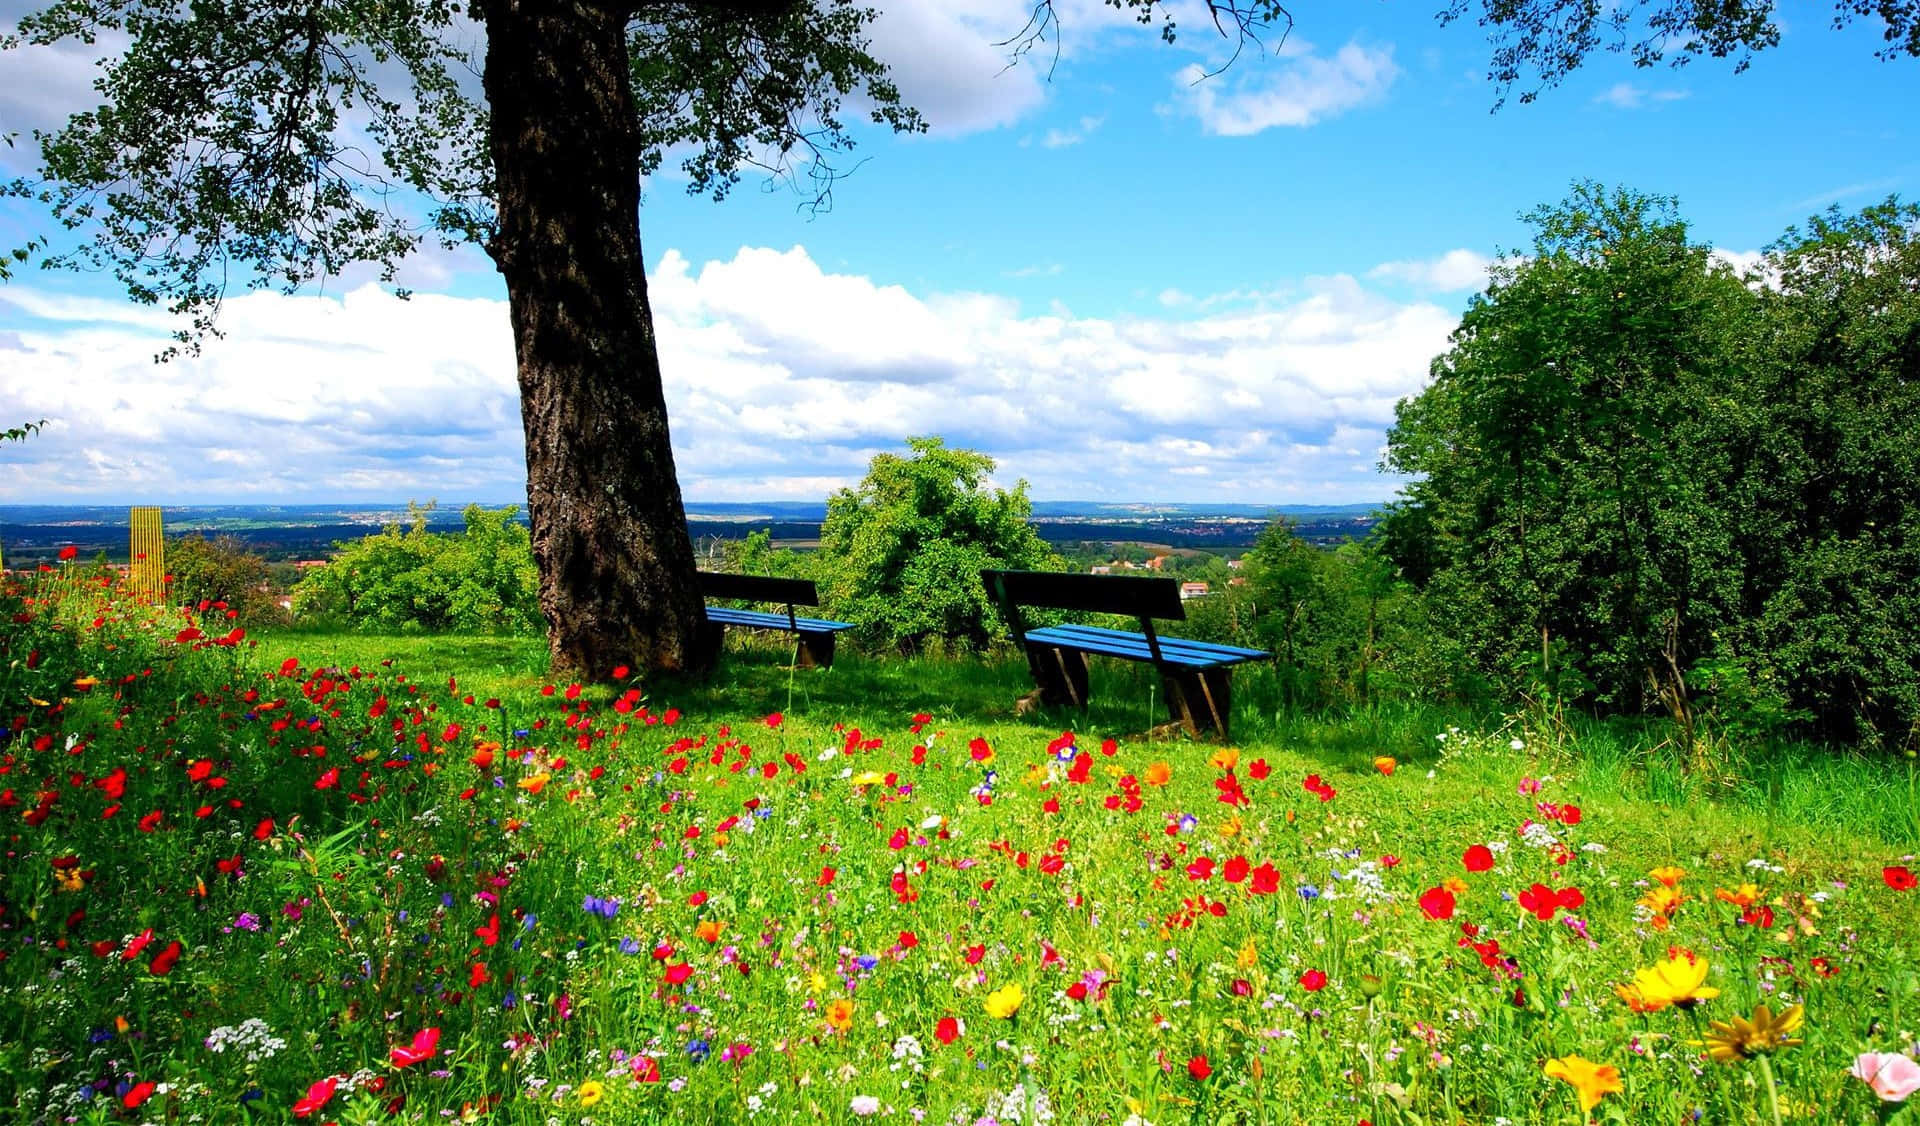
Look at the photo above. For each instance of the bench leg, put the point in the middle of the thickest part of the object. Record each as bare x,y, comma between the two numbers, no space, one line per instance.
1060,674
815,650
1200,700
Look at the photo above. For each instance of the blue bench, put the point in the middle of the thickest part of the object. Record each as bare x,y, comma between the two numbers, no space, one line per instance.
1197,674
815,636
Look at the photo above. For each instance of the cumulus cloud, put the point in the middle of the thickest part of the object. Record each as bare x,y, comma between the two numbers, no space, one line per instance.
946,58
1455,270
1298,89
783,380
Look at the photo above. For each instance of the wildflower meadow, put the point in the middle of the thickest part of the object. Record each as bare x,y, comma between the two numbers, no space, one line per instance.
261,881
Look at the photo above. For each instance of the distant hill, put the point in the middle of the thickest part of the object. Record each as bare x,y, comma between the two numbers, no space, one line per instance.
33,532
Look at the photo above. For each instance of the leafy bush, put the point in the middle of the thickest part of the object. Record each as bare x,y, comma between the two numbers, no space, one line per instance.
207,572
481,580
901,555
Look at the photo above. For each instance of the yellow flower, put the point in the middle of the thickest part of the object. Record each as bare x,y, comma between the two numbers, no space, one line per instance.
1662,901
1591,1082
1226,758
1668,875
816,981
869,778
1676,981
840,1013
1743,896
85,682
69,879
591,1092
1742,1038
1003,1002
1249,956
1230,828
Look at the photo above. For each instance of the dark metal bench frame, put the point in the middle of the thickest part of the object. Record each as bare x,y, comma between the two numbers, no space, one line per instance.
1196,674
814,648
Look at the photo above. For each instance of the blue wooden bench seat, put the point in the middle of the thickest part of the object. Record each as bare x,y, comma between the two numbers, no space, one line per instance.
814,636
1197,674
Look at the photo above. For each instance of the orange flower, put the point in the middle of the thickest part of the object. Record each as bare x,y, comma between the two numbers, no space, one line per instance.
536,783
1385,764
1225,758
1668,875
840,1014
1743,896
1159,774
710,929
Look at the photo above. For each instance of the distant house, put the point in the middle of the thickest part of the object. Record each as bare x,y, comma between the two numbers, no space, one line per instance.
1156,562
1236,581
1192,590
1100,569
309,564
1234,564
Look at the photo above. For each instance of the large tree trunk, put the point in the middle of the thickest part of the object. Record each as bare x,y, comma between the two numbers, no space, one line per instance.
610,536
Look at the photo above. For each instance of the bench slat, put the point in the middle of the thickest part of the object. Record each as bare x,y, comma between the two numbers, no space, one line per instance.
1180,644
1133,646
763,620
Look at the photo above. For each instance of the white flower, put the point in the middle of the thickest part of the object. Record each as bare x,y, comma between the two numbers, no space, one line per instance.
864,1105
1518,744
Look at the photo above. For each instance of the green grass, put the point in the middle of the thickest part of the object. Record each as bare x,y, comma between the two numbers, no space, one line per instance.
402,861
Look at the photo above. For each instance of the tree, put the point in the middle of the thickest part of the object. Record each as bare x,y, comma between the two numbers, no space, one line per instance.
261,142
1564,471
408,579
221,570
902,553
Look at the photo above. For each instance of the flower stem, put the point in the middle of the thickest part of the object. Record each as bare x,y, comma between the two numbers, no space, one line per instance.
1773,1093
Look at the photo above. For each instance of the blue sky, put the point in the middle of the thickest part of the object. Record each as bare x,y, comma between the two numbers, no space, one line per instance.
1123,285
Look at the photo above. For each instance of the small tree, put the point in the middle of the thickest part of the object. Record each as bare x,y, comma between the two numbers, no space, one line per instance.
209,571
902,553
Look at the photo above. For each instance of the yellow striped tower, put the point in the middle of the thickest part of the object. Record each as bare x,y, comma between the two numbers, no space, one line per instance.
148,551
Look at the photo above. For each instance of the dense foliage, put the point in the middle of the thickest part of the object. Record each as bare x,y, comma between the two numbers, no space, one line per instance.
1639,475
480,580
901,554
221,573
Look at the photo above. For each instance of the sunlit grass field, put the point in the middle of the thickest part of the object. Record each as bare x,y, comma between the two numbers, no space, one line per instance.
356,879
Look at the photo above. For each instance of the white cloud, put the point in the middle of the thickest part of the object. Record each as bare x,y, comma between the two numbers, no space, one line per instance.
1063,138
1298,89
1628,95
783,380
1455,270
943,55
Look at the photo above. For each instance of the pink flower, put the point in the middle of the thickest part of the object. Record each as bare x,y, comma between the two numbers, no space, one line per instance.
1892,1076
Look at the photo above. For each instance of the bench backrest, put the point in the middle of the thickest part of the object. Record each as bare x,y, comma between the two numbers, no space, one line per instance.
759,588
1141,598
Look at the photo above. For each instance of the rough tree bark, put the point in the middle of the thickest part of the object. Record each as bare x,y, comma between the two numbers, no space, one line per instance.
609,530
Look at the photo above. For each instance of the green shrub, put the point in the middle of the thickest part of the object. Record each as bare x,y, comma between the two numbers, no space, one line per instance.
481,580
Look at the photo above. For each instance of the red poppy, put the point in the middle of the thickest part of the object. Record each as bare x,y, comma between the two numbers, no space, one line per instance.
1898,878
139,943
1266,879
1259,770
827,875
318,1096
328,780
1313,981
490,933
1199,1068
1201,869
1235,870
68,552
424,1044
946,1030
1543,901
1478,858
163,962
139,1093
1437,903
678,972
